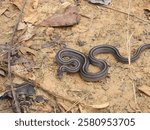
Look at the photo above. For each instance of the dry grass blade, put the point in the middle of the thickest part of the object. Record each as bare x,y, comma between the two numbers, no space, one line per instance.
9,57
125,13
135,98
128,43
134,93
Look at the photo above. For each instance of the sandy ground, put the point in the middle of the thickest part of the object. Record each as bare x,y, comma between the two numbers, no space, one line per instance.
119,91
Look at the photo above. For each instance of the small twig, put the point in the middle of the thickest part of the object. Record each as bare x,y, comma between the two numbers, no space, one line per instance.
135,98
9,58
83,15
77,102
134,93
128,43
131,15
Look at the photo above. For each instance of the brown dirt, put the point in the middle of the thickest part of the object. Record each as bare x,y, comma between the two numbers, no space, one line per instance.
119,91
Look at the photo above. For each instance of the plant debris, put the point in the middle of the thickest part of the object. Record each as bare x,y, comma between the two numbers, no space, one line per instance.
26,89
145,89
24,94
70,17
2,73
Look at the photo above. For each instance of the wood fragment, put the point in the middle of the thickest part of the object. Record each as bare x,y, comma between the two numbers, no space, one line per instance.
11,43
145,89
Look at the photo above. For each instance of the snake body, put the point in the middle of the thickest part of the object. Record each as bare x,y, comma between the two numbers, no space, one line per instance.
72,61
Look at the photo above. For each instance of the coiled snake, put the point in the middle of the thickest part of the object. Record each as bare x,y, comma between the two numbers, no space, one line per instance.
73,61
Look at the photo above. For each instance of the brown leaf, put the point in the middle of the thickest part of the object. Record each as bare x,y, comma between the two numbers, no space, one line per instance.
68,18
145,89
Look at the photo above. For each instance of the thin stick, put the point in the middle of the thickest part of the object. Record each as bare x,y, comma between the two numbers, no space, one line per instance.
134,93
135,98
128,43
9,57
131,15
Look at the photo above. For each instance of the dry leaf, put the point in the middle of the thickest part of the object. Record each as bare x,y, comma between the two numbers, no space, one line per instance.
30,13
145,89
4,5
28,34
92,108
3,9
104,105
68,18
31,17
2,73
21,26
18,3
17,80
24,50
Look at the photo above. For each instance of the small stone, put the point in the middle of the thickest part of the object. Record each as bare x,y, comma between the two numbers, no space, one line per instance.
40,99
